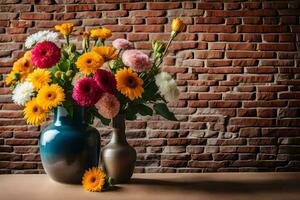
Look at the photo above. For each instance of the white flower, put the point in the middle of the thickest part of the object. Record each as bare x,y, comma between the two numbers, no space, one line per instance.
40,37
167,86
163,76
23,93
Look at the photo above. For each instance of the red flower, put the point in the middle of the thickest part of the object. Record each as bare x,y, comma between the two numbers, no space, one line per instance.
45,54
105,80
86,92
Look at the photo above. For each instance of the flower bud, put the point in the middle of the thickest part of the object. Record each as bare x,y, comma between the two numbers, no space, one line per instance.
69,73
177,25
57,74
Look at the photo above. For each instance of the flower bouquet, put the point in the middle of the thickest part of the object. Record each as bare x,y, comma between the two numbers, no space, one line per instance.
108,82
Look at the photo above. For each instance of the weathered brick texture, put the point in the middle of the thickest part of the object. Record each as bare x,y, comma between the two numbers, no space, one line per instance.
237,65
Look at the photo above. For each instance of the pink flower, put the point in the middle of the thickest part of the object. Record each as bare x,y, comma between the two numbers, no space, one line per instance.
45,54
108,106
105,80
137,60
122,44
86,92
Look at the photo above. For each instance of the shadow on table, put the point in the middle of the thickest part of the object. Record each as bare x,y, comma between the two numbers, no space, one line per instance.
215,186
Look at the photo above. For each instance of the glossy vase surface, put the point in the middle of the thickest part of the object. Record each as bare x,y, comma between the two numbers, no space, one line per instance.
118,157
69,147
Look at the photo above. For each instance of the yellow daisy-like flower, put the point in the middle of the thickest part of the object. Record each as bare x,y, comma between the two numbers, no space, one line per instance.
27,55
93,180
10,78
129,83
39,78
101,33
89,62
65,28
50,96
34,113
108,53
23,66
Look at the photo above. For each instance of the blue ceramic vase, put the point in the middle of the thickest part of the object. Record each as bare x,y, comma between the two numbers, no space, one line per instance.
69,147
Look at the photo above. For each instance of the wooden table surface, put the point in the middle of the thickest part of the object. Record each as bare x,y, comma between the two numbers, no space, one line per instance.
231,186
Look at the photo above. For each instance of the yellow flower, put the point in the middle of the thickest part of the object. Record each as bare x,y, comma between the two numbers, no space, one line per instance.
108,53
86,35
101,33
23,66
65,28
39,78
89,62
34,113
93,180
27,55
177,25
129,84
10,78
50,96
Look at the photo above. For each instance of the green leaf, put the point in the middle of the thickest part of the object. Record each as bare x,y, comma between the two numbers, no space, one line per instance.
163,110
131,114
144,110
103,120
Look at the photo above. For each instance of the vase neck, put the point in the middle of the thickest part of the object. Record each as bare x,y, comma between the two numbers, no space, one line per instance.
118,133
61,116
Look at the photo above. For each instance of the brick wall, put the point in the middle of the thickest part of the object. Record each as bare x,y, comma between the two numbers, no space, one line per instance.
236,64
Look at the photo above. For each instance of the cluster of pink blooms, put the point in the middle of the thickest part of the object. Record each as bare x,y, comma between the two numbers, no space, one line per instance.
137,60
98,91
122,44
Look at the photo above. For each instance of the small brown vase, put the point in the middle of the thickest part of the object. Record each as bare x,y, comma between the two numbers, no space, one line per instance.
118,157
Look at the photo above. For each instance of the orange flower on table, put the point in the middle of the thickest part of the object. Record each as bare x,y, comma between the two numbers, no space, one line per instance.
65,28
108,53
101,33
129,83
34,113
89,62
93,180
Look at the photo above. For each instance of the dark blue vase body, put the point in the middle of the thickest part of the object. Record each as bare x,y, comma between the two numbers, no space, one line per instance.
69,147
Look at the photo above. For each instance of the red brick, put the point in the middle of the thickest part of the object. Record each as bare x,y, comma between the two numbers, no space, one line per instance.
262,29
211,28
36,16
80,7
209,20
163,5
133,6
150,13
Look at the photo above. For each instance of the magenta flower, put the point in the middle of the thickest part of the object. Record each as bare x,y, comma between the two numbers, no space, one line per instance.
108,106
86,92
137,60
45,54
122,44
105,80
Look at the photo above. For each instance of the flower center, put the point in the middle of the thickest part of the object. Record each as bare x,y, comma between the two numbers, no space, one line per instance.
93,179
35,109
131,82
89,61
44,52
26,64
51,96
87,89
